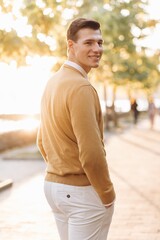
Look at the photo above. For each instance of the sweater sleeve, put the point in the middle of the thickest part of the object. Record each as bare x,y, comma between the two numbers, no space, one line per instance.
85,114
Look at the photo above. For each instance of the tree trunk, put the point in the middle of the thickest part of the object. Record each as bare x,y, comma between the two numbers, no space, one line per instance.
106,116
114,114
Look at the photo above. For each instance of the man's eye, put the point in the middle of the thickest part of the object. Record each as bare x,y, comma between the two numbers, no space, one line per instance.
88,43
100,44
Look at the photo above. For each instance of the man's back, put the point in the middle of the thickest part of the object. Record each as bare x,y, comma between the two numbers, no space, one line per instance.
61,104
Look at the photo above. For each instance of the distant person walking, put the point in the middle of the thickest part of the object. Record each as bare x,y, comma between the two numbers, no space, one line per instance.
151,112
134,108
70,138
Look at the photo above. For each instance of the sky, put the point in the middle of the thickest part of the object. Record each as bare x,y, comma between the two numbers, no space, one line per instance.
21,89
153,41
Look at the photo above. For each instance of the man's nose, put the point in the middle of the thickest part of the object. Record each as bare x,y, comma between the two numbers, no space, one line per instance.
97,47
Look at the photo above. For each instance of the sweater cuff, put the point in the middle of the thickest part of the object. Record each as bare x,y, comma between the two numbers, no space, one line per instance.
109,204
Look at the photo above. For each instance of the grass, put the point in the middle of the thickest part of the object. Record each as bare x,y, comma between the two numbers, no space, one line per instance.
17,139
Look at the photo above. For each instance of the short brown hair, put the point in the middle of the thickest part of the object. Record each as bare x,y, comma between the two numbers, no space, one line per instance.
78,24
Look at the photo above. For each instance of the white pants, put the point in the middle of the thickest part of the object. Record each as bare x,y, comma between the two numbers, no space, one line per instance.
78,211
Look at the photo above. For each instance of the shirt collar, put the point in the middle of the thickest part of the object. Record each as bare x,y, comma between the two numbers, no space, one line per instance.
76,66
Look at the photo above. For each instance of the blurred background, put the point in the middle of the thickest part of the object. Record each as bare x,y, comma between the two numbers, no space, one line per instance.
33,47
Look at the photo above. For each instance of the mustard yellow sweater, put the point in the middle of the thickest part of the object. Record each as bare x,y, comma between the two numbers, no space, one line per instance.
70,136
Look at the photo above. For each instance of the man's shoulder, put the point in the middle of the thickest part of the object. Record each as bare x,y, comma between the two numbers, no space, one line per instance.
70,81
72,78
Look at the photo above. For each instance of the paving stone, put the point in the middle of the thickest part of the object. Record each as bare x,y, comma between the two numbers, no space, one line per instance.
134,168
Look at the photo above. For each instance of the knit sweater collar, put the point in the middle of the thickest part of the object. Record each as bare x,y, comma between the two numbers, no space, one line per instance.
77,67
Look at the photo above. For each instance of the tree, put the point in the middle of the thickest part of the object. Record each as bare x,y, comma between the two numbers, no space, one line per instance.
45,22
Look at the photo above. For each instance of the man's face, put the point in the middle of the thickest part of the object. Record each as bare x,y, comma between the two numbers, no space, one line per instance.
87,50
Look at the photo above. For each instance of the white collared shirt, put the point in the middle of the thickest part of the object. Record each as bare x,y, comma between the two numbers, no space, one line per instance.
76,66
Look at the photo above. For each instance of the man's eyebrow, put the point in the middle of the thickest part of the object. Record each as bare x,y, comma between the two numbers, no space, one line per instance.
93,40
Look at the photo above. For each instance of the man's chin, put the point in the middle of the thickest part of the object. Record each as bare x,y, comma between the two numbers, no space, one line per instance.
95,65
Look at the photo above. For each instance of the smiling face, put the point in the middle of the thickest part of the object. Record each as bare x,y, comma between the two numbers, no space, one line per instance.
87,50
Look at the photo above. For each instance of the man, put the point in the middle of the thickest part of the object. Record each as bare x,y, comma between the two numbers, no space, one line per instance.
134,108
77,183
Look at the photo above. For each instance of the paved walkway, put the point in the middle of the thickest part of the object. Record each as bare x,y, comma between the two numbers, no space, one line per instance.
134,160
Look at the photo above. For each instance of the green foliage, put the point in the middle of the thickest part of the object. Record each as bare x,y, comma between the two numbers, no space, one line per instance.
122,24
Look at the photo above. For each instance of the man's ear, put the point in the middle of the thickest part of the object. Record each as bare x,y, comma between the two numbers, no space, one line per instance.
70,43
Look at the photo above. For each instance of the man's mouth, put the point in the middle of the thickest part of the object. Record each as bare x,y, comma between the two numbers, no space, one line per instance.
97,57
